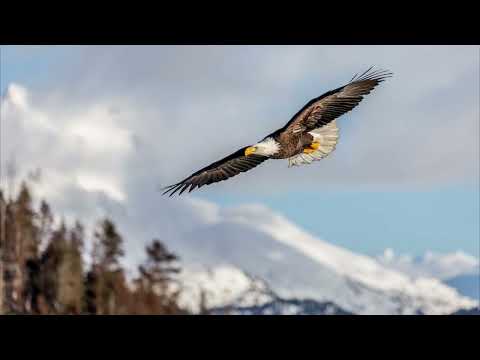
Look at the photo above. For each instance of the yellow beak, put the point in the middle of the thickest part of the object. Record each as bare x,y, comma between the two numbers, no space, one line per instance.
250,150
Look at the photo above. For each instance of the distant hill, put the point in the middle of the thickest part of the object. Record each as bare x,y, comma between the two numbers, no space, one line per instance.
474,311
284,307
227,290
297,265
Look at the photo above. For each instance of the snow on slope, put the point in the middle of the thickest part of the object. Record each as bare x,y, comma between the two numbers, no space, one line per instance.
283,307
230,291
296,264
220,286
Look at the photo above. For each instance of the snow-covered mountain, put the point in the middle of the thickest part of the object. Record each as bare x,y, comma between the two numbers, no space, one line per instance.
297,265
471,311
226,290
219,287
283,307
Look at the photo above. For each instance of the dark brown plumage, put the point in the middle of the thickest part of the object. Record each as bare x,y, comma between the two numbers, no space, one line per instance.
331,105
302,134
223,169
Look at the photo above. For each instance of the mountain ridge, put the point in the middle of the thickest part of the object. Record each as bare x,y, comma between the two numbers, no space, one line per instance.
297,265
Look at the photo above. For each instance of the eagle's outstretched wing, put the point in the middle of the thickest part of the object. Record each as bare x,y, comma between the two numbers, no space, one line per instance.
322,110
221,170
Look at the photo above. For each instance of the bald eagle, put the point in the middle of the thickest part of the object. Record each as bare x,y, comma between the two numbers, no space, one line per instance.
310,135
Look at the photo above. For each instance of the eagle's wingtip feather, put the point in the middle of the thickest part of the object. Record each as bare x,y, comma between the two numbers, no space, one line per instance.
378,75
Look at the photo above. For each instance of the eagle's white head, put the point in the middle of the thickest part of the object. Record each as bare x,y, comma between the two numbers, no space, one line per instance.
266,147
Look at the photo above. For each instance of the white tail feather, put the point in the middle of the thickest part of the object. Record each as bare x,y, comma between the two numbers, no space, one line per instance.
327,136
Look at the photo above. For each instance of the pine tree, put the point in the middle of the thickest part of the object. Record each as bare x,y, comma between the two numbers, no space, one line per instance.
10,266
91,282
110,245
27,230
91,289
33,286
155,278
27,248
45,222
159,264
109,275
77,236
51,261
3,205
70,273
42,269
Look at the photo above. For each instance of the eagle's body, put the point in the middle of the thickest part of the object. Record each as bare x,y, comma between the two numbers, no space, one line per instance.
291,144
310,135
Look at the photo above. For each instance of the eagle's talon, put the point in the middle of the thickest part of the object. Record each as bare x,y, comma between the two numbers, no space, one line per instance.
312,148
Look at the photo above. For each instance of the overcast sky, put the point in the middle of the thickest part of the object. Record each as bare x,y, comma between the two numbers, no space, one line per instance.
109,125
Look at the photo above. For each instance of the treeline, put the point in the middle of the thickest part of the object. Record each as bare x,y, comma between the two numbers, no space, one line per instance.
43,268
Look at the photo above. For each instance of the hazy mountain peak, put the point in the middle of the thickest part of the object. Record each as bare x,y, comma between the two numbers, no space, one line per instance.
297,264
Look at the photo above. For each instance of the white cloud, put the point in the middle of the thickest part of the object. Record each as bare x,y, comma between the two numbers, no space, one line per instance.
17,96
191,105
431,264
149,117
97,130
87,149
92,182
